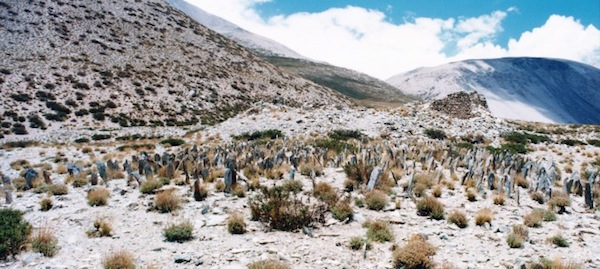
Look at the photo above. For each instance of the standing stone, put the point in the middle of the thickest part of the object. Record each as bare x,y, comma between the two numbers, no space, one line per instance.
490,181
8,196
229,180
94,179
568,185
375,175
292,173
30,176
589,200
578,188
46,176
198,196
102,171
5,180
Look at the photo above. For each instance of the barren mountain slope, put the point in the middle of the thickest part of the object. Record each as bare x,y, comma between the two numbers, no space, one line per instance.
109,63
348,82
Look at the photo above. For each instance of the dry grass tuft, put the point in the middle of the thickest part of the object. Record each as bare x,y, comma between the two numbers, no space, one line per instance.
538,197
44,241
268,264
459,218
416,254
484,216
376,200
533,219
437,191
379,231
46,204
102,228
430,206
499,198
559,199
236,224
326,193
98,196
119,260
166,201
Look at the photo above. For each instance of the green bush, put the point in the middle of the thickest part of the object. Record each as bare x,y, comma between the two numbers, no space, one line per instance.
179,232
559,241
379,231
357,242
258,135
173,142
335,145
435,134
282,211
346,134
97,137
524,138
82,140
14,231
342,211
572,142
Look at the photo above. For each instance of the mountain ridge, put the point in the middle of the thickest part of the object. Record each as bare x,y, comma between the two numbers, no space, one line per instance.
521,88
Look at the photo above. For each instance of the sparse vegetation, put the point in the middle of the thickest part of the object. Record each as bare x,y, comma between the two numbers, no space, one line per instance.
259,135
14,231
236,224
166,201
416,254
459,218
430,206
342,211
119,260
326,193
379,231
357,243
101,228
435,134
44,241
484,216
559,241
268,264
98,196
46,204
179,232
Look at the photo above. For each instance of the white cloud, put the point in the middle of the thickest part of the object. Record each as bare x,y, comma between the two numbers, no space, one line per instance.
365,40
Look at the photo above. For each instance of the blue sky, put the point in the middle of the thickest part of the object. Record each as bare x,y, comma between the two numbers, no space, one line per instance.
384,38
528,13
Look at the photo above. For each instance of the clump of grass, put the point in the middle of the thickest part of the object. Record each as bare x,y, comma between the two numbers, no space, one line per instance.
499,198
166,201
559,241
102,228
150,186
236,224
471,195
547,215
46,204
357,174
179,232
98,196
416,254
514,241
357,243
459,218
376,200
294,186
220,186
533,219
559,199
484,216
379,231
326,193
342,210
78,180
119,260
437,191
556,263
44,241
359,202
430,206
521,181
538,197
58,189
239,190
268,264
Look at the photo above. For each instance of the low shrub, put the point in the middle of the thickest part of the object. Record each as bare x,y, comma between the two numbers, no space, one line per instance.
379,231
357,243
173,142
430,206
102,228
14,231
484,216
257,135
416,254
376,200
119,260
236,224
342,211
166,201
282,211
98,196
268,264
533,219
459,218
294,186
46,204
326,193
180,232
435,134
559,241
150,186
514,241
98,137
538,197
44,241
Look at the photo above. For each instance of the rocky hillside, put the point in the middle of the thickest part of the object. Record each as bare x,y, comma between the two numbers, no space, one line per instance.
73,64
530,89
351,83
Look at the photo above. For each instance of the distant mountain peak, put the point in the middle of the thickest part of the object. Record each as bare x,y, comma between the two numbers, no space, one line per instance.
522,88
